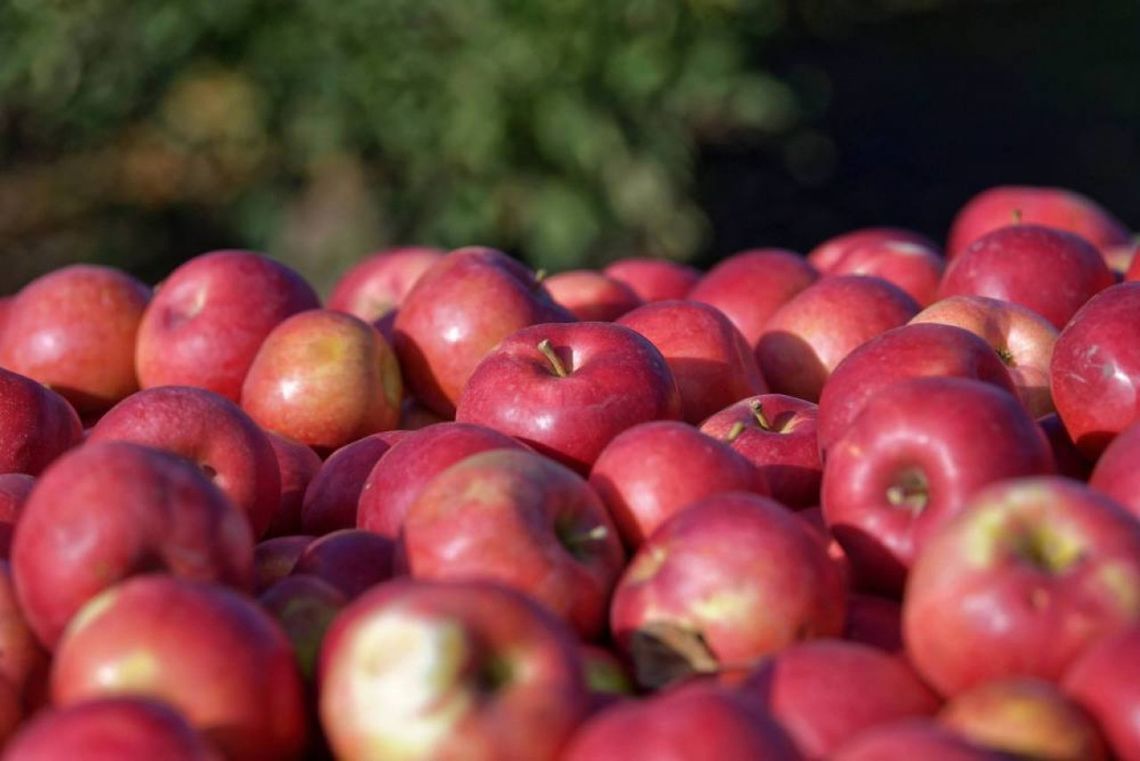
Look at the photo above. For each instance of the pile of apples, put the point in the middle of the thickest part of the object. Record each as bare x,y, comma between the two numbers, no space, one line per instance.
876,502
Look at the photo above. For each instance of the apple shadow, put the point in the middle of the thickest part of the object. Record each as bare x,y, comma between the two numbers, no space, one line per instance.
791,365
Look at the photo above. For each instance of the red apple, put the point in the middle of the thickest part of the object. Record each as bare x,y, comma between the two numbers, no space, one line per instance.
209,317
590,295
462,670
1132,270
325,379
1070,462
14,491
109,510
331,497
1105,680
74,331
654,279
1117,471
875,621
824,256
304,606
1030,574
1121,259
525,521
374,287
37,425
916,739
351,560
913,267
23,661
568,389
298,464
274,559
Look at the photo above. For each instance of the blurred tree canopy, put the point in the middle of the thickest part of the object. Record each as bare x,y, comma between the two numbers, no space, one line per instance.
562,130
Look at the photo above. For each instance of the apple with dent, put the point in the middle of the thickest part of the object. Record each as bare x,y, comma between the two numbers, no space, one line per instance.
592,296
1022,338
1095,370
522,520
458,311
913,267
208,651
824,256
567,389
274,559
748,287
1117,470
914,738
912,459
373,288
903,353
37,425
74,330
209,317
1105,680
720,585
711,362
109,510
14,491
331,497
653,470
810,335
1052,207
297,464
1027,718
400,475
472,670
304,606
1049,271
351,560
209,431
1031,573
777,434
654,279
826,691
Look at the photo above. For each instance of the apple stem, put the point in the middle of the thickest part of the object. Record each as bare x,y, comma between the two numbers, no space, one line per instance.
540,275
734,432
761,418
1006,356
547,350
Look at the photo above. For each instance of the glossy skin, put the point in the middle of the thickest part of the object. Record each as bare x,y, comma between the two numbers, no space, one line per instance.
374,287
155,512
209,317
694,722
351,560
483,673
1049,271
304,607
826,691
777,434
74,331
903,353
331,497
211,432
809,336
522,520
1028,717
654,279
1022,338
111,729
1052,207
1031,573
457,312
750,286
824,256
274,559
720,585
592,296
608,378
1095,371
37,425
912,460
709,358
1117,471
1106,682
14,491
653,470
413,461
297,464
914,738
209,652
913,267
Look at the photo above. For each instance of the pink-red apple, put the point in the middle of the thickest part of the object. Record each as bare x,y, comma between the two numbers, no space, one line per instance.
331,497
373,288
1105,680
37,425
590,295
824,256
654,279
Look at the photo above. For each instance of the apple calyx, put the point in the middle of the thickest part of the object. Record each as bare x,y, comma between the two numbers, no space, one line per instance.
577,542
910,490
492,674
664,652
1005,355
1047,550
552,357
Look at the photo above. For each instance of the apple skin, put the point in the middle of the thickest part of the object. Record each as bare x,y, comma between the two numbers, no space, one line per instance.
914,738
654,279
653,470
275,558
567,389
1121,259
912,460
74,330
1049,206
591,296
376,285
351,560
210,315
1028,718
1132,271
1070,462
1031,573
297,465
748,287
1117,471
1049,271
37,425
467,670
207,650
708,357
331,497
875,621
23,661
109,510
14,491
903,353
522,520
110,729
824,256
1105,680
810,335
719,586
913,267
304,606
401,474
777,434
1022,338
325,379
826,691
1096,369
210,431
458,311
